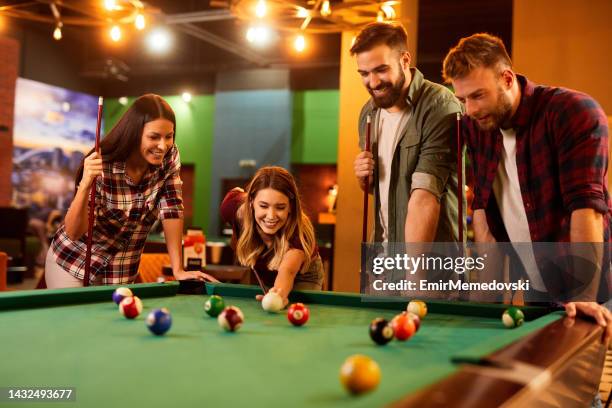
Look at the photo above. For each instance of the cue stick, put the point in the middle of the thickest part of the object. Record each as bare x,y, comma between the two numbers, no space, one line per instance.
364,234
92,203
460,188
261,285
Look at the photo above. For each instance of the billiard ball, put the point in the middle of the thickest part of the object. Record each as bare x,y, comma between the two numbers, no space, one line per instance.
121,293
513,317
381,331
298,314
214,305
415,319
403,326
159,321
272,302
231,318
359,374
418,307
130,307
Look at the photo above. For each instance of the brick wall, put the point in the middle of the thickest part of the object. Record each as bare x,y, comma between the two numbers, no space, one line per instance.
9,65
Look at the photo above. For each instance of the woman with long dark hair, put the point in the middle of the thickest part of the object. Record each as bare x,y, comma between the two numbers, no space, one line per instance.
272,234
137,183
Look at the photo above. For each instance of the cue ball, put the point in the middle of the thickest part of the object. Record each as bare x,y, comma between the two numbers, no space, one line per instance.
214,305
381,331
130,307
359,374
230,319
272,302
513,317
121,293
298,314
418,307
159,321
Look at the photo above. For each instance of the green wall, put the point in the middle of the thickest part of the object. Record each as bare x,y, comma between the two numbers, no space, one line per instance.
315,127
314,137
194,137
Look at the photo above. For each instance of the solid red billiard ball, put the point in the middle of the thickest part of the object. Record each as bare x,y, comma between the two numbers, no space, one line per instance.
298,314
403,326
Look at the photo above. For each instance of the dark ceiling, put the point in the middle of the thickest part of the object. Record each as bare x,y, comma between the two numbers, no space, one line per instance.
203,49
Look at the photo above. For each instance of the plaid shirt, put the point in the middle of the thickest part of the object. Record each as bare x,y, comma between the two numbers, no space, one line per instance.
561,158
125,212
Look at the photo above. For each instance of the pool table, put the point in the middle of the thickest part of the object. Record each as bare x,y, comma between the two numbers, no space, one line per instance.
461,356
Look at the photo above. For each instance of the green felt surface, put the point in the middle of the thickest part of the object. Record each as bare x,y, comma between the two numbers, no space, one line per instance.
117,362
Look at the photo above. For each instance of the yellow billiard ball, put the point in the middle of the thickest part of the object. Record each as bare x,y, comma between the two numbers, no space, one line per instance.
418,307
359,374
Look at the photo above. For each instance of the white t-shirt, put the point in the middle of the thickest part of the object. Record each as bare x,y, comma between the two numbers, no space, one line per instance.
388,131
507,190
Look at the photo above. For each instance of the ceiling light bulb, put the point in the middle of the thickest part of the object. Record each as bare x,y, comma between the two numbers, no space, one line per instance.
57,33
300,43
159,40
389,11
325,9
140,22
123,100
261,9
110,4
115,33
186,97
302,12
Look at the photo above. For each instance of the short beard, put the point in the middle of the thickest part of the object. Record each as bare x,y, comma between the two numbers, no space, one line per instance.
394,95
500,115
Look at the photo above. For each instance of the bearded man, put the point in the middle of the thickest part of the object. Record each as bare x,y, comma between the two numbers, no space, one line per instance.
412,167
539,157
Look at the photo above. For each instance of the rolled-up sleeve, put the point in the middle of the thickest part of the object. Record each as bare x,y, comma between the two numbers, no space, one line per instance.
437,159
582,153
171,197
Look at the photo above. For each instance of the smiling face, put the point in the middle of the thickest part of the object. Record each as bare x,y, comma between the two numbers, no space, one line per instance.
271,210
157,140
384,72
486,96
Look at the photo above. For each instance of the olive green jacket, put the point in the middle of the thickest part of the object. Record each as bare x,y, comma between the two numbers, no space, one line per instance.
425,157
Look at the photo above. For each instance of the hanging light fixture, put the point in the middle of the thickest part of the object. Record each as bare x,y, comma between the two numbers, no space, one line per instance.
325,9
140,22
300,43
115,33
57,33
261,9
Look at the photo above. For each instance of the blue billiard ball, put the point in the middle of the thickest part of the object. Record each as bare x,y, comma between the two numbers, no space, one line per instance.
159,321
121,293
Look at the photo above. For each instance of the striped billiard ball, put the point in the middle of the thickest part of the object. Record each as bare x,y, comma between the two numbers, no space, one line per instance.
231,318
513,317
159,321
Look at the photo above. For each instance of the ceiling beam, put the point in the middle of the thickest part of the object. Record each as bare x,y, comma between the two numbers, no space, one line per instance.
222,43
198,17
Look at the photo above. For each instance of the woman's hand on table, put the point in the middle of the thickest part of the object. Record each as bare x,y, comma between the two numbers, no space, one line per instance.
197,275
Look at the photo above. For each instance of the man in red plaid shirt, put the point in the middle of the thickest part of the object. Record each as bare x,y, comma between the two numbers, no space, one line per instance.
539,155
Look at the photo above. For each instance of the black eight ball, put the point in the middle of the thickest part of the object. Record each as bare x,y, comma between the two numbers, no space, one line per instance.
381,331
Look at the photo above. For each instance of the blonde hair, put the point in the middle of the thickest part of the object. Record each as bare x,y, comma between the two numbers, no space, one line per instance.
478,50
250,246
